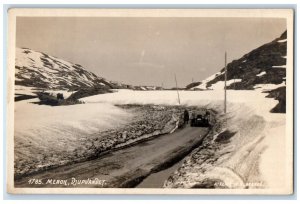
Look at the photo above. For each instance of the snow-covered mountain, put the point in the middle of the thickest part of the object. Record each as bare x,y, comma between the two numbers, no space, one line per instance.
40,70
264,66
37,69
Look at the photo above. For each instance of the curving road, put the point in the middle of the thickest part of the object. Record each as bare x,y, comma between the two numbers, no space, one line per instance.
124,167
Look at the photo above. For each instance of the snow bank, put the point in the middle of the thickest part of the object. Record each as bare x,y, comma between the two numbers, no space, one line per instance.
246,161
214,98
268,87
217,85
255,157
87,118
26,90
220,84
261,74
204,82
252,99
50,136
49,133
280,67
282,41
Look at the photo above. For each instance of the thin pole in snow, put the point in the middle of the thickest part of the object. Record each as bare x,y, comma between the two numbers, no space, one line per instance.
234,83
225,80
177,90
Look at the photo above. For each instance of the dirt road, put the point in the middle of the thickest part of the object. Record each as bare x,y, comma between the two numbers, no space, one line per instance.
121,168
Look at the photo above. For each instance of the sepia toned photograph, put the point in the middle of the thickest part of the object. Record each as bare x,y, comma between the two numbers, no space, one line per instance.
157,101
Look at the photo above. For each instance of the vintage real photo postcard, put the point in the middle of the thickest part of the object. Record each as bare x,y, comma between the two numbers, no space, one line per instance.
150,101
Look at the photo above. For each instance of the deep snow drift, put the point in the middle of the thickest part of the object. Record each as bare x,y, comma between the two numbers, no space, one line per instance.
51,136
46,135
254,156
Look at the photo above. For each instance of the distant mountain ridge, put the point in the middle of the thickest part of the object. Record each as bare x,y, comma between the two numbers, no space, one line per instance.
40,70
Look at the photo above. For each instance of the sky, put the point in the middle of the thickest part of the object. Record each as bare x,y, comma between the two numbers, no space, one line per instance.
147,51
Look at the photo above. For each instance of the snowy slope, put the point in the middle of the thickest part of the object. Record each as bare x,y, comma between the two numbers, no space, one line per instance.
37,69
264,65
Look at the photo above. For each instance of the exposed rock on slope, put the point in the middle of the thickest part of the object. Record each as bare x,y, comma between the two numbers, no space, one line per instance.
37,69
264,65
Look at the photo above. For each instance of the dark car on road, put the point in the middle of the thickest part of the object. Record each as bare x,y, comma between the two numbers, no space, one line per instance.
200,121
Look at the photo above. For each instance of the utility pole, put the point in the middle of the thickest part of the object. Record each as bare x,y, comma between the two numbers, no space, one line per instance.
177,90
225,80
